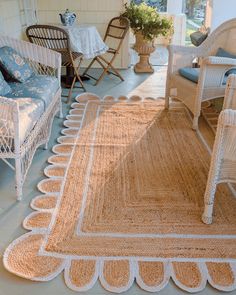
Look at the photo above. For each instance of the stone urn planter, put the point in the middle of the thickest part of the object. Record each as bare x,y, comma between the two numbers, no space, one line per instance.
144,48
147,24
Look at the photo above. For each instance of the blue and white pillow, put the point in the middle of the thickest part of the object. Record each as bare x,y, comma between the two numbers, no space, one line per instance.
14,64
4,87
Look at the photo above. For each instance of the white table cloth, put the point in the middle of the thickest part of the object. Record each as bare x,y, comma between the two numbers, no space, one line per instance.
86,40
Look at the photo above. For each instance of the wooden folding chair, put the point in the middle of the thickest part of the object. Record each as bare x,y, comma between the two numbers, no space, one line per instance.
57,39
115,35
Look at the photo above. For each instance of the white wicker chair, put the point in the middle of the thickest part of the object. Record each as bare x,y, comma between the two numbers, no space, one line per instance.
212,69
43,61
223,162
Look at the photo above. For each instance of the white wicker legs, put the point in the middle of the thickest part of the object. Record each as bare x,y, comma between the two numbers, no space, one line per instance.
19,179
175,88
39,136
223,160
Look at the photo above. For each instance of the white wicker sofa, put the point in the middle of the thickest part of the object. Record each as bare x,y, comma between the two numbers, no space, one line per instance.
25,123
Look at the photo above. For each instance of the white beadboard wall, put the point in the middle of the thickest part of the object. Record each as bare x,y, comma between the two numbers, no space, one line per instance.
95,12
11,18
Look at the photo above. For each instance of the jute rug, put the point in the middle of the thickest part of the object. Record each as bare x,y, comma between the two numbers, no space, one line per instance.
123,202
211,115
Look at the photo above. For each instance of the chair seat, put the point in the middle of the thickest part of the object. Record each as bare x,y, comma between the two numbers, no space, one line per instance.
37,87
192,74
186,90
30,111
33,97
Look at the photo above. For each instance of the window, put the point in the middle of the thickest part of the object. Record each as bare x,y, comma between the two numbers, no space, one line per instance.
195,11
161,5
29,12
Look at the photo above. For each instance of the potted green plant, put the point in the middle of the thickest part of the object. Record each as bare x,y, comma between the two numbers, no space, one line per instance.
147,24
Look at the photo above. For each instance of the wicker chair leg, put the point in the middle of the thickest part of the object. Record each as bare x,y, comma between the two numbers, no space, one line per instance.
167,98
19,182
217,159
167,102
209,200
207,215
46,146
195,122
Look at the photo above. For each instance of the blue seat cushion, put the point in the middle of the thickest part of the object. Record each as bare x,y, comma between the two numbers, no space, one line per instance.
33,97
40,87
4,87
30,111
192,74
14,64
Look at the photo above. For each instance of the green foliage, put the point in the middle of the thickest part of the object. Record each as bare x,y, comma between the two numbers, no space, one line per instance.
161,5
148,21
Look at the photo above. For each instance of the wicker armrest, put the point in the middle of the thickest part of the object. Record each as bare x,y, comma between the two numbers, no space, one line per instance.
181,56
213,70
10,103
232,82
228,118
217,60
34,52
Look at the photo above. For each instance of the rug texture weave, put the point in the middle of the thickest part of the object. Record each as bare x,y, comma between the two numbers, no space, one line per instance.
211,115
123,201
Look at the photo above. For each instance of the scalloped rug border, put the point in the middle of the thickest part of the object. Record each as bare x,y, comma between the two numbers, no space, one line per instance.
115,275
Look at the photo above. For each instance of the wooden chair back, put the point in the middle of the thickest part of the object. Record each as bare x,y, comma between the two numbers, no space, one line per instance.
114,37
54,38
51,37
116,32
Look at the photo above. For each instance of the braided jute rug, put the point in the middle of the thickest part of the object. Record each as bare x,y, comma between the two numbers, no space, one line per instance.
123,201
211,115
